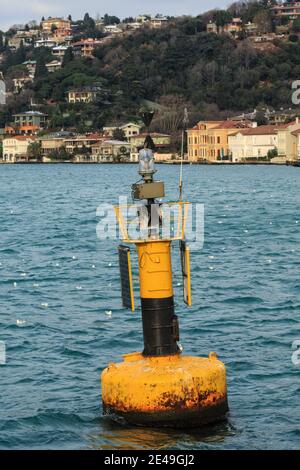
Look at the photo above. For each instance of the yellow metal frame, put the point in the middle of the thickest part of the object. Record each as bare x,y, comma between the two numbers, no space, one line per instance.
130,282
181,223
188,292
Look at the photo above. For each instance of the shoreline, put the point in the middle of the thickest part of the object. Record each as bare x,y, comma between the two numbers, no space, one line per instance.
68,162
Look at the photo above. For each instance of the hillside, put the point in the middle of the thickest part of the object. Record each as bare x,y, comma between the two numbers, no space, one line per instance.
180,65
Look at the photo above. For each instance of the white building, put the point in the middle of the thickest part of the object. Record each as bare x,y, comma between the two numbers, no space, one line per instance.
59,51
15,148
53,65
130,129
45,43
252,143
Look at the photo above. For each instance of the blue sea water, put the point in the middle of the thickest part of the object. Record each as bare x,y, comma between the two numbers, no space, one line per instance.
58,281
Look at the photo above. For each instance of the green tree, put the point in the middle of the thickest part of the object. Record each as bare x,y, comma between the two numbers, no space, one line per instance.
41,69
222,17
110,19
119,134
272,154
20,55
34,151
296,25
68,57
260,117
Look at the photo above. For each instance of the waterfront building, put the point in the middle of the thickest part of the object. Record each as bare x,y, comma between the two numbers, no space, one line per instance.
15,148
288,141
162,143
111,151
81,143
208,140
252,143
51,143
296,135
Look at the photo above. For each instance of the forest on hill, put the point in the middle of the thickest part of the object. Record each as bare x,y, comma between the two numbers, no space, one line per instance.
178,66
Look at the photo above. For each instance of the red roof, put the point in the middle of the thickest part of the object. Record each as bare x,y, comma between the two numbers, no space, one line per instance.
260,130
152,134
226,124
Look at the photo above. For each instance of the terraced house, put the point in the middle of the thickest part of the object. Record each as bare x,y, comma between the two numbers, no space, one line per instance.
208,140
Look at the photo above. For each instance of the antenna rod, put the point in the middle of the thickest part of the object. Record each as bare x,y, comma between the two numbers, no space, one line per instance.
185,123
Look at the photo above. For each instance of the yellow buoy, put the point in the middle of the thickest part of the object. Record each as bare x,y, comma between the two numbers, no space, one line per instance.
160,386
177,391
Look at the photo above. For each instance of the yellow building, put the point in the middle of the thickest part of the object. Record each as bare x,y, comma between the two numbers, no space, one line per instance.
57,26
288,141
208,140
51,143
111,150
82,95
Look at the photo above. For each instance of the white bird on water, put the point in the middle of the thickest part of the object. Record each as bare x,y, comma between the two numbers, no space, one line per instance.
108,313
44,305
20,322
